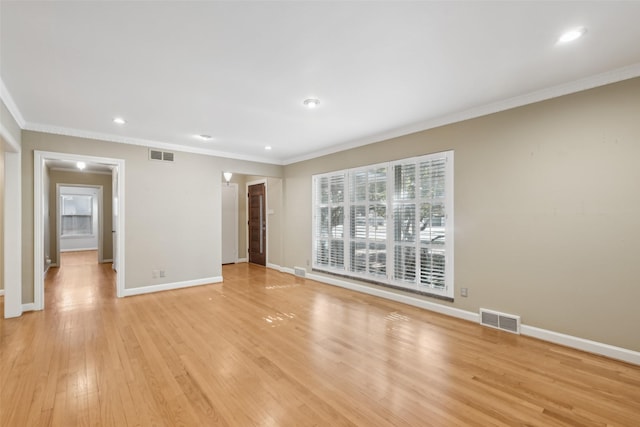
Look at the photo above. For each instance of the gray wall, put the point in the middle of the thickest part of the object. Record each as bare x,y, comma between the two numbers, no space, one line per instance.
172,211
547,210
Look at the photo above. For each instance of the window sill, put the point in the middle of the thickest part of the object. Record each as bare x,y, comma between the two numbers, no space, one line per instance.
385,285
78,236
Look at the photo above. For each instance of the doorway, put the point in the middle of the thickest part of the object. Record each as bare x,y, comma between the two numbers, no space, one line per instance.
257,222
79,219
41,208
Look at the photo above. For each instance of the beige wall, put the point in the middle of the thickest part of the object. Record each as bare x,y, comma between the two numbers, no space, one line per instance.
81,178
547,210
172,211
242,214
274,216
9,130
47,214
1,214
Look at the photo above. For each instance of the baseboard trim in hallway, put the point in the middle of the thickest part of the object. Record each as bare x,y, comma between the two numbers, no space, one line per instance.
171,286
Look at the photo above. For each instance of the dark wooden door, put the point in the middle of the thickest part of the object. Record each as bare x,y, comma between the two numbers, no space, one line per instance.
257,225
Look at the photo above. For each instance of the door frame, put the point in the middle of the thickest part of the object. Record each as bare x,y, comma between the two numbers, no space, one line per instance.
38,218
235,217
266,210
100,233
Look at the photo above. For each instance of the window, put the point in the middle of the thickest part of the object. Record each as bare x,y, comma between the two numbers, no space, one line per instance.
77,214
390,224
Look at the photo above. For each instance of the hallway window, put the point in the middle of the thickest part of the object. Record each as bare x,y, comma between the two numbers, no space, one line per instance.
389,224
77,215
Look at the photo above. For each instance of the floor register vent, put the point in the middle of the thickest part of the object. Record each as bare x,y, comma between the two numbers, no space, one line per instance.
299,271
495,319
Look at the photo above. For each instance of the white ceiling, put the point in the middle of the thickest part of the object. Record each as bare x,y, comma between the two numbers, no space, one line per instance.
239,71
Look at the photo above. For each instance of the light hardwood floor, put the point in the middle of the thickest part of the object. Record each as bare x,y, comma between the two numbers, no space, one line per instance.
269,349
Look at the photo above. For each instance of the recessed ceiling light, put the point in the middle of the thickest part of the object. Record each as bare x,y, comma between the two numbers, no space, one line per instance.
268,147
572,35
119,120
311,102
204,137
81,165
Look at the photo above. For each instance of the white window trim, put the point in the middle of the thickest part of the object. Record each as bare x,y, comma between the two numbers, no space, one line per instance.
448,291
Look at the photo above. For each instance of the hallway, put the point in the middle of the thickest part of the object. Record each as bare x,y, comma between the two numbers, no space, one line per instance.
79,282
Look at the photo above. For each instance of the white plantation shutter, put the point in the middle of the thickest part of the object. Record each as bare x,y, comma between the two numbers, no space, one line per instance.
329,222
433,214
368,221
390,223
404,222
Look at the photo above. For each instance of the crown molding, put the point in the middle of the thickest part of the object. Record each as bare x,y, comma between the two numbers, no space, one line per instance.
13,145
6,97
586,83
79,133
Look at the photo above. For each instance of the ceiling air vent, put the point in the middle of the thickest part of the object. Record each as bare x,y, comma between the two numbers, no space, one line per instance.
165,156
495,319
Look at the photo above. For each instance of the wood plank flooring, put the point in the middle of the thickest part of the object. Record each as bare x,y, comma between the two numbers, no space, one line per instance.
270,349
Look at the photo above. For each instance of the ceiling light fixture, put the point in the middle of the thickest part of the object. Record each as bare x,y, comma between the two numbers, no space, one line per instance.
311,103
81,165
204,137
268,147
119,120
572,35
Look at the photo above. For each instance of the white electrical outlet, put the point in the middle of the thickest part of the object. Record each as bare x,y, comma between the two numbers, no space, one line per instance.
464,292
162,273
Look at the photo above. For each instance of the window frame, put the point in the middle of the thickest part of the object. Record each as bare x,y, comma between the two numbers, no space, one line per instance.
63,215
428,255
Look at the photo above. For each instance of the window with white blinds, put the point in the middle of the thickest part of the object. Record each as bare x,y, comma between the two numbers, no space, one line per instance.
329,221
390,223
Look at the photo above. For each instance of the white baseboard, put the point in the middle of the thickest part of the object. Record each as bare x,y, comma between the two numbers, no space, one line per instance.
28,307
595,347
104,261
287,270
78,249
170,286
276,267
239,260
1,292
589,346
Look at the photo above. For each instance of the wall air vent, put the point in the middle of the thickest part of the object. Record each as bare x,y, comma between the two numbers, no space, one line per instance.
165,156
299,271
503,321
